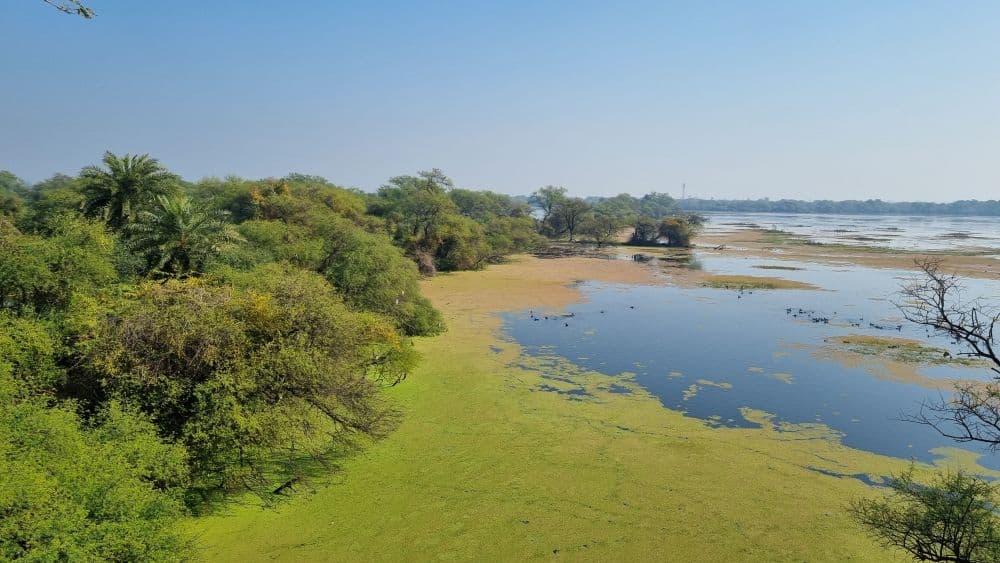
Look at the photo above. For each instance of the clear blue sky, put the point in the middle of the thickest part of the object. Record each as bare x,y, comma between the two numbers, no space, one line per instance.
898,100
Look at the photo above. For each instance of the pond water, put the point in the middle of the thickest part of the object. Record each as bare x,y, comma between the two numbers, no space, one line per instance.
889,231
710,352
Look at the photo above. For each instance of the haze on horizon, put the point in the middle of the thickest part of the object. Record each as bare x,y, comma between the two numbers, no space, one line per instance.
893,100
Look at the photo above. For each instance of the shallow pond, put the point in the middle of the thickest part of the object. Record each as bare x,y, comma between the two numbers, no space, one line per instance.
711,352
889,231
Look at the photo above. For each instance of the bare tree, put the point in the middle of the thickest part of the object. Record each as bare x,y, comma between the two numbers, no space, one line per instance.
72,7
936,301
953,518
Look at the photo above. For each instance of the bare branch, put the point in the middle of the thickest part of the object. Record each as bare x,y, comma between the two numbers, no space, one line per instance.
936,302
72,7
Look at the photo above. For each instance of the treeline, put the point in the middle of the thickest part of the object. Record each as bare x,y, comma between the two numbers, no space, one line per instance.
165,343
653,219
847,207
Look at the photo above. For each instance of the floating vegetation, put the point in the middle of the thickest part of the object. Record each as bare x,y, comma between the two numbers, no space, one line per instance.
710,383
752,282
783,377
904,350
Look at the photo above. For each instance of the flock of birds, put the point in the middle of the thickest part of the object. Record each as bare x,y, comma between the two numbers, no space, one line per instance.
536,318
812,316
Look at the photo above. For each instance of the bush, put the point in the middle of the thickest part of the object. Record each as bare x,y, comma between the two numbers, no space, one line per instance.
276,369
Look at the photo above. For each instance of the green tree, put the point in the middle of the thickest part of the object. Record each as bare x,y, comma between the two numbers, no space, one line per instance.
604,226
321,228
645,231
13,193
951,519
546,198
55,197
118,192
178,235
105,491
657,205
676,231
373,275
253,372
568,215
43,274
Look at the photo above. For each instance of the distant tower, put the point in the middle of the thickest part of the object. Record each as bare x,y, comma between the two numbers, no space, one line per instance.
684,191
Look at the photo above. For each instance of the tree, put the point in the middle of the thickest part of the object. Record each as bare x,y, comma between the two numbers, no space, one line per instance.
567,216
546,199
604,226
178,236
55,197
44,274
13,193
951,519
253,372
935,301
657,205
645,231
107,490
118,192
72,7
676,231
373,275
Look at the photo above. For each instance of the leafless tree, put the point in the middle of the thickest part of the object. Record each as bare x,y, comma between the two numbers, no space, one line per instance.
936,301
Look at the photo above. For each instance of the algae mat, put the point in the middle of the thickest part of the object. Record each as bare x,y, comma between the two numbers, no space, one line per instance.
486,467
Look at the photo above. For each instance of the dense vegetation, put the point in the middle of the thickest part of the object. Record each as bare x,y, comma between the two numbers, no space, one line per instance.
165,342
855,207
653,219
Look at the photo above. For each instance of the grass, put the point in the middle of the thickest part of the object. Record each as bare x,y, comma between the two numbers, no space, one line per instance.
486,467
752,282
904,350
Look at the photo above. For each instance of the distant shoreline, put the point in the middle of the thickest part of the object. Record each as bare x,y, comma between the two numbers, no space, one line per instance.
964,208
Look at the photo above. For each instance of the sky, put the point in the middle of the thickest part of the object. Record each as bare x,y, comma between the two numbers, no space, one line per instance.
898,100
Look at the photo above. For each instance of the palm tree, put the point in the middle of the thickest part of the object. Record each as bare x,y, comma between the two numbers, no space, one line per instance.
118,193
178,235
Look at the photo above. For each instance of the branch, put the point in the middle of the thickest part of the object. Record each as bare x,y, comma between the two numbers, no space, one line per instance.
72,7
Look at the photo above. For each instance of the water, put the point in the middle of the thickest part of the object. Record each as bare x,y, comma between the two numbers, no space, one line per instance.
890,231
748,351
